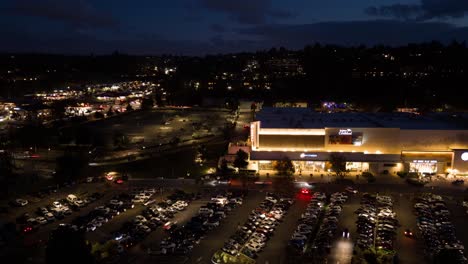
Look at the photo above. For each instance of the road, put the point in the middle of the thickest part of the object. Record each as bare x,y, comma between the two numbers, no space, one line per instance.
409,250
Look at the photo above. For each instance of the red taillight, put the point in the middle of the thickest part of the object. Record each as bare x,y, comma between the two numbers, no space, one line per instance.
305,191
119,181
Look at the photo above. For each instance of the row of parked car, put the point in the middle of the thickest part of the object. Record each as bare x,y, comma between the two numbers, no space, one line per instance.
152,217
251,238
183,239
104,213
38,195
329,227
309,220
438,232
56,211
377,223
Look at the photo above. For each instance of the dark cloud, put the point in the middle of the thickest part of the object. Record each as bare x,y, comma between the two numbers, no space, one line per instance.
425,10
247,11
76,13
389,32
249,38
282,14
218,28
21,40
400,11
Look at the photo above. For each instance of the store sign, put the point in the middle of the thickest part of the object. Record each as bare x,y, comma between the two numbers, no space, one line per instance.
345,132
424,161
464,156
308,155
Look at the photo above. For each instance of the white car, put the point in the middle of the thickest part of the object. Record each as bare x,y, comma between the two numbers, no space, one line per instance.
183,203
138,200
66,211
297,236
140,218
255,247
49,216
152,190
43,211
178,207
259,236
144,228
102,219
212,224
79,203
303,232
31,221
21,202
115,202
41,220
351,189
57,204
96,223
90,227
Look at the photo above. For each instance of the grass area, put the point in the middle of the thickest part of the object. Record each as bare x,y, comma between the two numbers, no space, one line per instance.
222,257
371,255
173,165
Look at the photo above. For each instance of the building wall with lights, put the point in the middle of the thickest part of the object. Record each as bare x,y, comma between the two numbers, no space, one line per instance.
379,147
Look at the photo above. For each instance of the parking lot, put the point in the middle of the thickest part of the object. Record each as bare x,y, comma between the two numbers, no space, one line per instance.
275,249
160,126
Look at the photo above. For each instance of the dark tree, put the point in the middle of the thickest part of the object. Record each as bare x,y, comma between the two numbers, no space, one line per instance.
110,112
158,100
175,141
338,164
241,159
6,171
71,166
129,108
284,166
223,168
98,115
68,245
58,108
120,139
147,103
33,135
228,130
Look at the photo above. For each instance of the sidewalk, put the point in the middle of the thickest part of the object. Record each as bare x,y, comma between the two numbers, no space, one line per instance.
331,177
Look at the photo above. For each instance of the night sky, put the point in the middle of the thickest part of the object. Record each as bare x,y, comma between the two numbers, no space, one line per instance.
198,27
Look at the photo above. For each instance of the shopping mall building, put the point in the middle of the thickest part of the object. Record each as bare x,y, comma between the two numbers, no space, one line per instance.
376,142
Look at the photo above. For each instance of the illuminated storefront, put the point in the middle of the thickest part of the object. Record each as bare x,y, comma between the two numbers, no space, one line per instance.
375,142
423,166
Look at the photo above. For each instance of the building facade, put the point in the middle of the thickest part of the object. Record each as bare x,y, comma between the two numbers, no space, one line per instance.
375,142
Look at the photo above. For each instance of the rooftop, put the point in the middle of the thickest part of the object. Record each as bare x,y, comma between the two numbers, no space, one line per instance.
271,117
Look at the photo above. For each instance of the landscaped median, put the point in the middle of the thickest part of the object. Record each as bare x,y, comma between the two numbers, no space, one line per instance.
221,257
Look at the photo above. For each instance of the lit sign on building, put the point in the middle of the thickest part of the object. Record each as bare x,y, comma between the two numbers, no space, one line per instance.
345,132
464,156
307,155
424,161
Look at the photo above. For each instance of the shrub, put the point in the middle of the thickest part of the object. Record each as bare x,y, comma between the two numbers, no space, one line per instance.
402,174
369,177
415,182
